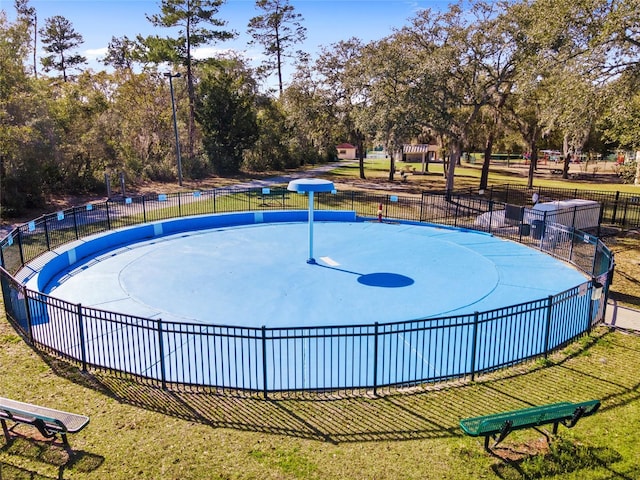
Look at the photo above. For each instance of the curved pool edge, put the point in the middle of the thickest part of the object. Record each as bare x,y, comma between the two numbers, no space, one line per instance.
38,273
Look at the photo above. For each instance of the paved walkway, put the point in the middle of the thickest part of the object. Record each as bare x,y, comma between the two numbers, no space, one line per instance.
327,167
623,318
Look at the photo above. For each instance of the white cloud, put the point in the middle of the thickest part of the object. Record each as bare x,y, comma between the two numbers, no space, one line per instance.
94,53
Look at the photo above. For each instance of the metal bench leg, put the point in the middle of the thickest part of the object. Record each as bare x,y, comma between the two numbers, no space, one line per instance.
506,430
577,415
5,429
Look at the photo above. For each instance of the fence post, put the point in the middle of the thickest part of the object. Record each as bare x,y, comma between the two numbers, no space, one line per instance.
28,314
573,240
491,215
473,346
591,302
161,352
144,209
22,262
46,233
106,204
615,207
180,204
605,297
375,358
264,363
624,213
600,217
83,353
455,217
594,262
547,332
75,223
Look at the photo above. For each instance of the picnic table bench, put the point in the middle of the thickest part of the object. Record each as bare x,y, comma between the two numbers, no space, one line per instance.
48,421
268,195
498,425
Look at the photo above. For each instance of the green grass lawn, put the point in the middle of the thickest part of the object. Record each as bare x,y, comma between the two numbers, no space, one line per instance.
143,432
468,176
139,431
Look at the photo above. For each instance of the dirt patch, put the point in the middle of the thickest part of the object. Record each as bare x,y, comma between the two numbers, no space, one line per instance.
517,452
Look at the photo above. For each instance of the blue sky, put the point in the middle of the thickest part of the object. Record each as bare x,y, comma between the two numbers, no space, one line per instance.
327,21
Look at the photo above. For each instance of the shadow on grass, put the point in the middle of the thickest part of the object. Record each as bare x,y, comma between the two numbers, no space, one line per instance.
432,411
47,453
531,462
13,472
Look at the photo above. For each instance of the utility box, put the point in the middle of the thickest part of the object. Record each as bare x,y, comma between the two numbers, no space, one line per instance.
537,229
577,213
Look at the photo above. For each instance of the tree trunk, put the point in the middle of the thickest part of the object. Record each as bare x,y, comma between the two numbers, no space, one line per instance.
455,150
533,162
392,165
279,62
484,175
637,180
565,166
360,145
567,157
35,46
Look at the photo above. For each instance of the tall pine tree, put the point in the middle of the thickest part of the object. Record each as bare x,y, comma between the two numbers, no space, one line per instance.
59,38
277,29
190,17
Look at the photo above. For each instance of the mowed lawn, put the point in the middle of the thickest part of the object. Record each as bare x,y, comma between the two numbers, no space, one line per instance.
144,432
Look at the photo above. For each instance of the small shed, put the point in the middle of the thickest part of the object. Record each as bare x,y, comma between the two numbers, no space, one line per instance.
424,153
346,151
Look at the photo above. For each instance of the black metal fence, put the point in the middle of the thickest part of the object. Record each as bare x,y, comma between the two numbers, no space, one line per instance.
265,360
618,208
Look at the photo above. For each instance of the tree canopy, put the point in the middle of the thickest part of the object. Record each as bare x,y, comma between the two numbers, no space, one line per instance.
474,76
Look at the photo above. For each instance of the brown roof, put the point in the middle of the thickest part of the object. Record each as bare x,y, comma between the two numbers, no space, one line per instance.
421,148
345,145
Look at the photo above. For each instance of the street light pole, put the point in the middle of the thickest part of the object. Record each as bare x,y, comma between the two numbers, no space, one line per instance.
171,76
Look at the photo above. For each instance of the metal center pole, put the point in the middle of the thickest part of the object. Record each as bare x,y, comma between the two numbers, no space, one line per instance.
311,259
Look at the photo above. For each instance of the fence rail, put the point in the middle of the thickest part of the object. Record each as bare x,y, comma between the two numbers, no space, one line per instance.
618,208
266,360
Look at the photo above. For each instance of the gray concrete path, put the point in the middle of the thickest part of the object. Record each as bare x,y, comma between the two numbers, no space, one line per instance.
327,167
623,318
